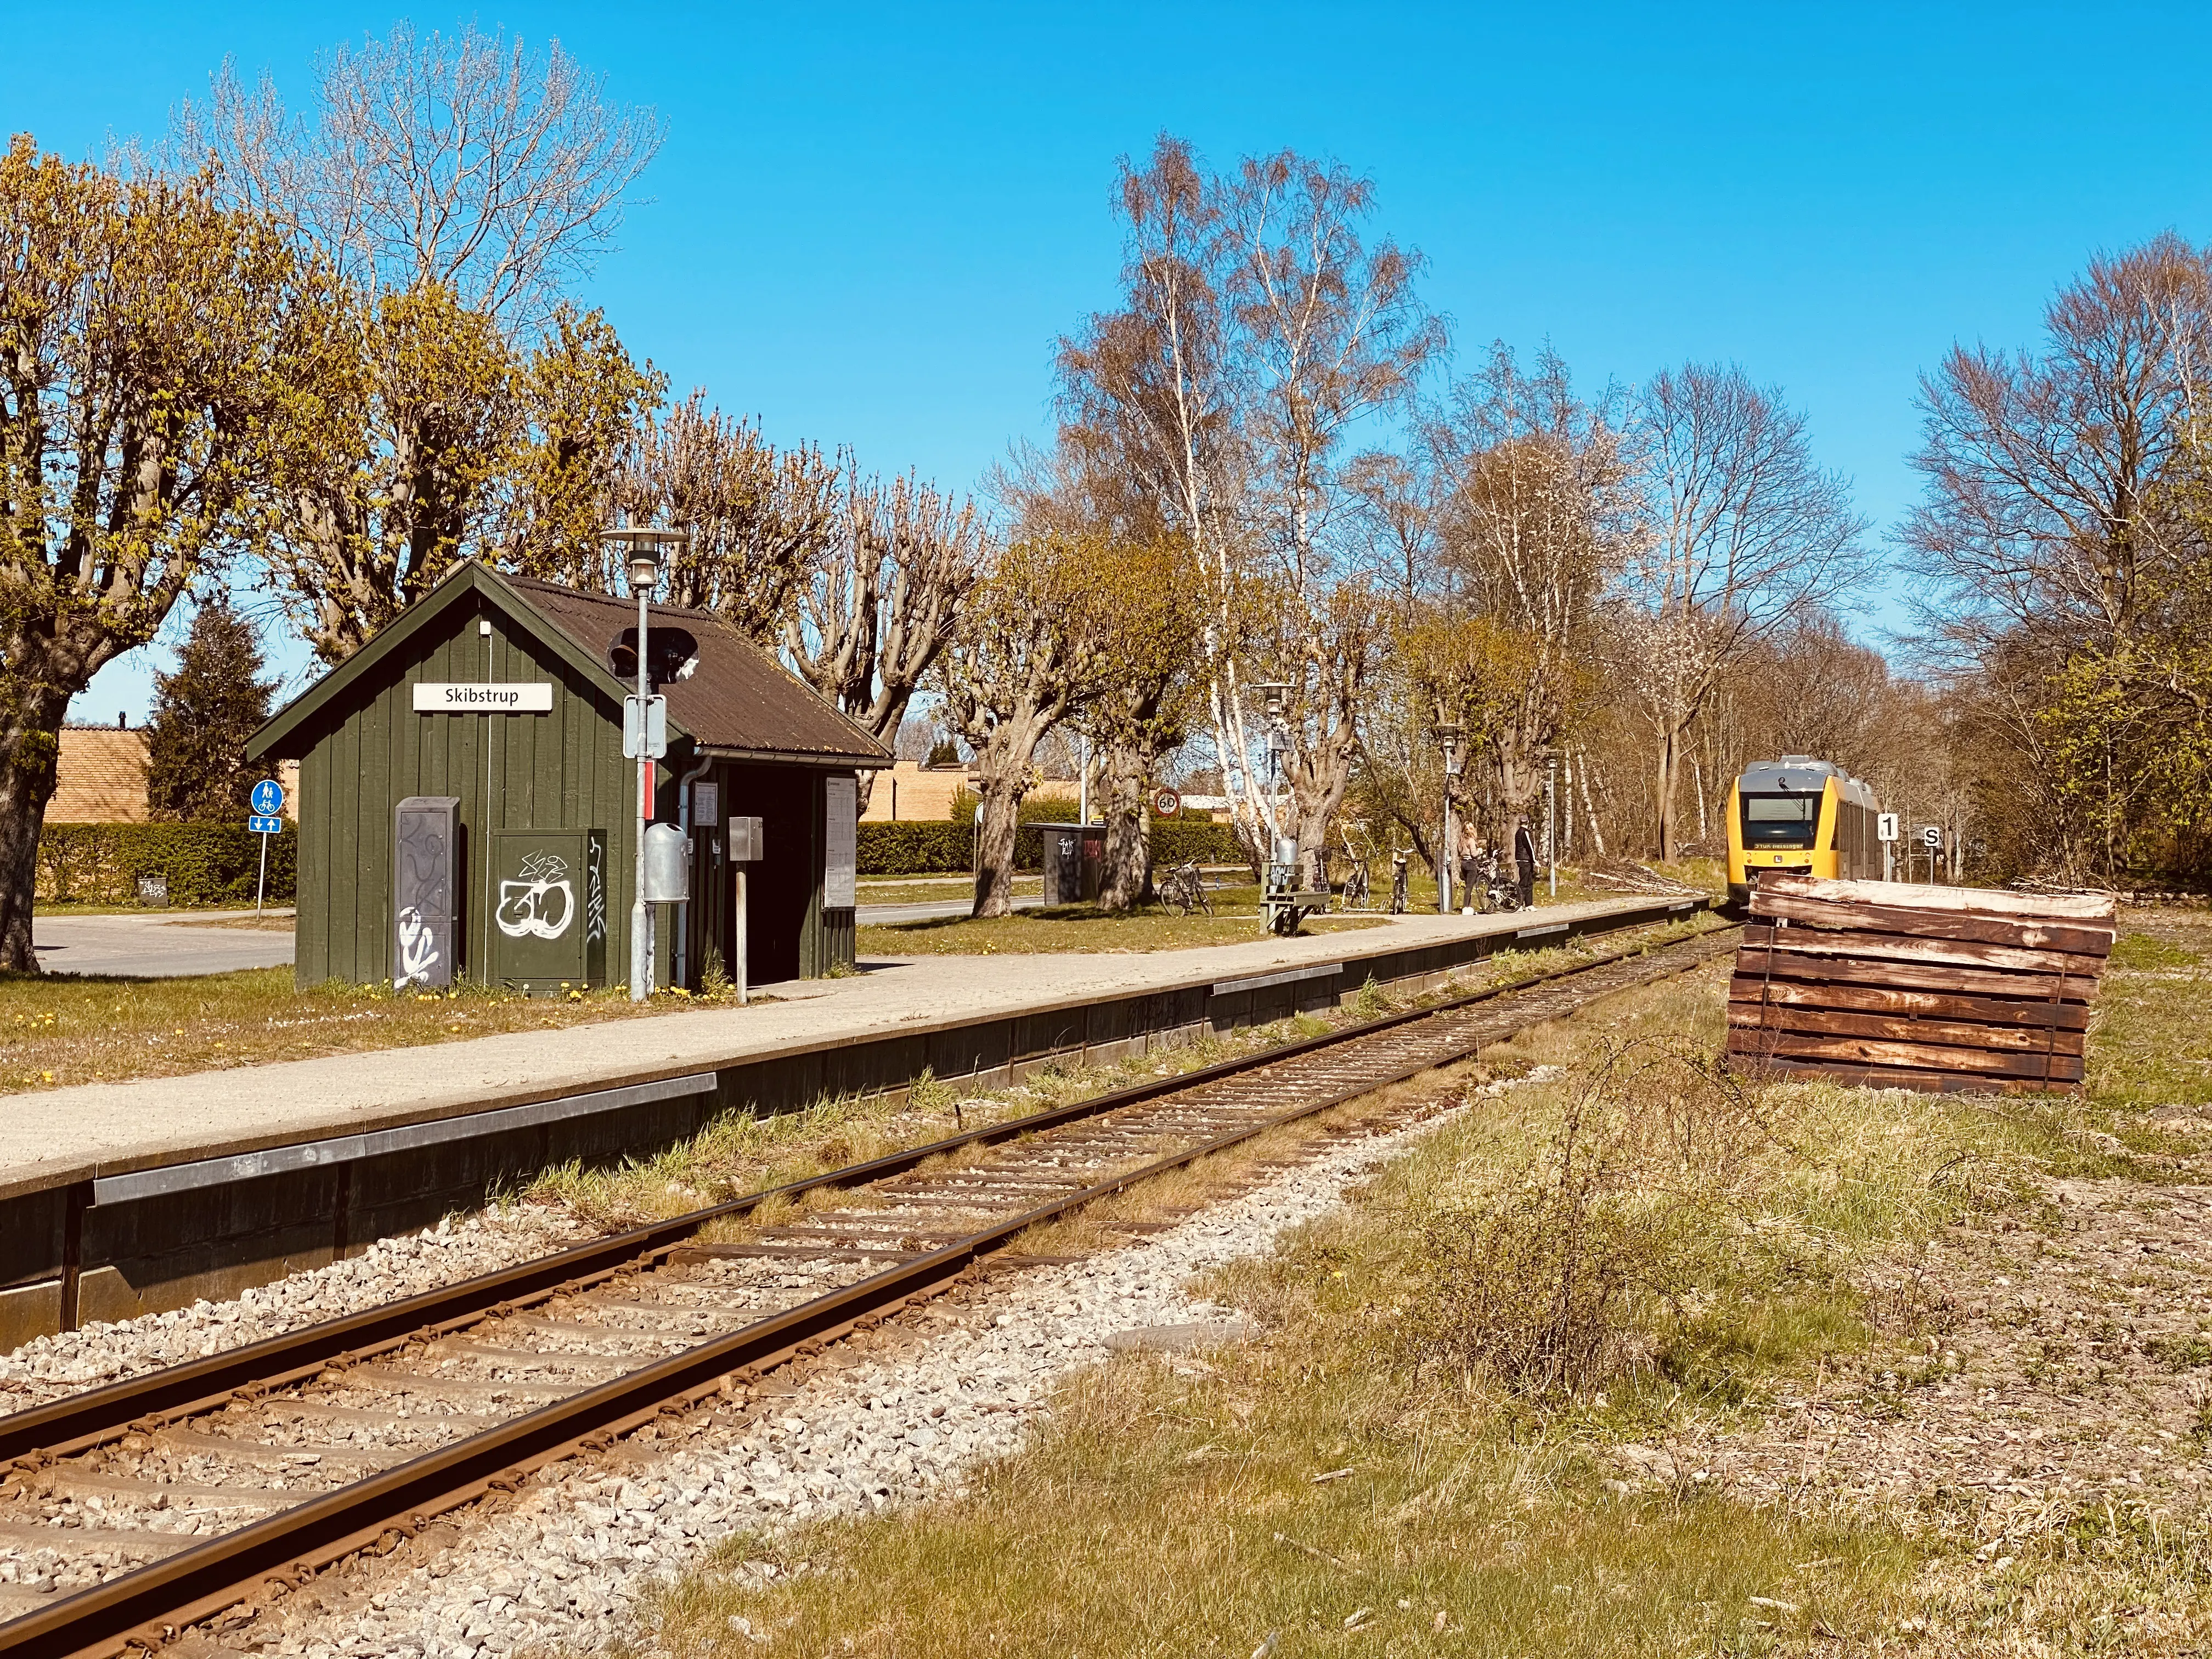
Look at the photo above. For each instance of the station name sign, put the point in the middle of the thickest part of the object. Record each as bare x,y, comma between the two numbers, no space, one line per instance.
483,696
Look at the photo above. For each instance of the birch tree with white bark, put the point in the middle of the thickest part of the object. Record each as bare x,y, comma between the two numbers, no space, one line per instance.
1744,535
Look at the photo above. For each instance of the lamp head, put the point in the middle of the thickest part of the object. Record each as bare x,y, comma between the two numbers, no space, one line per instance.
1275,694
645,544
1450,732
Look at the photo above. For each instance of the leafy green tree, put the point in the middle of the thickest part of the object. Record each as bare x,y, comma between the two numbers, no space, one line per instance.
204,710
151,340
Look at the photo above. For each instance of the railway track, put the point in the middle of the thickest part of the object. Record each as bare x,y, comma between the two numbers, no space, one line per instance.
180,1493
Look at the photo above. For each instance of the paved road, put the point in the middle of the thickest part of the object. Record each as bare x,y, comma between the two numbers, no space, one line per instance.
164,945
877,915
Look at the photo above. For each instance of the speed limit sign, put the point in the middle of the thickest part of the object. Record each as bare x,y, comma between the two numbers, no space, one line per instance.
1166,804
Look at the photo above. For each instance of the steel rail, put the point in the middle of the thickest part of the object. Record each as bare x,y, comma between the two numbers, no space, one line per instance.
149,1603
82,1420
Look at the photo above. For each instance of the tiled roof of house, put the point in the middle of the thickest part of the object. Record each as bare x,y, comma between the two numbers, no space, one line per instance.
100,777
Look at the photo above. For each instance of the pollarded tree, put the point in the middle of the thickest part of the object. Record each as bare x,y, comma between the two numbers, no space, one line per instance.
152,346
880,600
757,515
1029,651
586,408
1153,632
204,710
387,482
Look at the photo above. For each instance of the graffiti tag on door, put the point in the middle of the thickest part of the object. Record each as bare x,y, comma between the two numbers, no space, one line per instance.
541,903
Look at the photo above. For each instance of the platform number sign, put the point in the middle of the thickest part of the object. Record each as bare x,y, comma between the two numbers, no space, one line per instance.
1931,837
266,819
1886,830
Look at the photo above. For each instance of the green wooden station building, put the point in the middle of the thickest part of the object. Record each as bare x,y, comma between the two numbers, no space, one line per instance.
465,811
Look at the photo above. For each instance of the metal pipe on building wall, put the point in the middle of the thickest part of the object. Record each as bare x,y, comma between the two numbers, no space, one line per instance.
706,764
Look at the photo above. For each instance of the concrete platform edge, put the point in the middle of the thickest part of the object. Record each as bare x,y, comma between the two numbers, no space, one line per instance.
131,1235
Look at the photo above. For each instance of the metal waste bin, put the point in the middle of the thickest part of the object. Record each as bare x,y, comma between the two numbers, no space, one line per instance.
1074,861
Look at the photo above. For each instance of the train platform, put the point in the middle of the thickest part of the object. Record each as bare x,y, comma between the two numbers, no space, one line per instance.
407,1133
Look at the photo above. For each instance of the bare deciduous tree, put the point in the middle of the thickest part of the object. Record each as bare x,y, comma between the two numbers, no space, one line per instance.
1534,518
2064,538
1744,536
465,160
1326,331
880,598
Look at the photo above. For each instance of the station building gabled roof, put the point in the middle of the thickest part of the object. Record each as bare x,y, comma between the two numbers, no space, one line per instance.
740,702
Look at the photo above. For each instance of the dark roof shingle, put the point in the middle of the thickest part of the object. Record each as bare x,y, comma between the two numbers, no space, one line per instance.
739,699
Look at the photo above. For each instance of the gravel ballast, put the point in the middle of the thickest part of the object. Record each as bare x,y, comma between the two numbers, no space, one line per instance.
50,1367
566,1566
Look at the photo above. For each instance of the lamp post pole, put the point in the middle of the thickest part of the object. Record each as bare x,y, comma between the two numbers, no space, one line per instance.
644,544
641,921
1448,862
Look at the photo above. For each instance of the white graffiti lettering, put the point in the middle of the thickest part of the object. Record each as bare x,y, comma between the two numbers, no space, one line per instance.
595,897
528,907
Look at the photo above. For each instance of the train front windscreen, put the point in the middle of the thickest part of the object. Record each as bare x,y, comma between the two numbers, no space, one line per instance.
1780,820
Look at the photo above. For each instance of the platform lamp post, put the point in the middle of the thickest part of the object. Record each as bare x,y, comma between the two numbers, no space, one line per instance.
1274,697
644,737
1449,732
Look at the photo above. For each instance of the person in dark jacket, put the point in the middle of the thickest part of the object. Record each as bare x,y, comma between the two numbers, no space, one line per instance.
1524,860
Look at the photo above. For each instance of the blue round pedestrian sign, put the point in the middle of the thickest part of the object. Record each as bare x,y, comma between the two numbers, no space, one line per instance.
268,798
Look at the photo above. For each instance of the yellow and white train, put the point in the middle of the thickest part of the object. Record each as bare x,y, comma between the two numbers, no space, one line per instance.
1805,816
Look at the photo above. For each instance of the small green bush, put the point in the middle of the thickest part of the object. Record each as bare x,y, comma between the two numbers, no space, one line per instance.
204,863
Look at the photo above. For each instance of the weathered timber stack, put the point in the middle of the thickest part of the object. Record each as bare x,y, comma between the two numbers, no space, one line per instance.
1935,988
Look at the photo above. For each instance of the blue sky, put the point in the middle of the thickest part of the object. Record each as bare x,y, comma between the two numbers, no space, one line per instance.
869,222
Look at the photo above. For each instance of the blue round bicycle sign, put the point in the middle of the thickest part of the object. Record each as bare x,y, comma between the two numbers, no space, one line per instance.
268,798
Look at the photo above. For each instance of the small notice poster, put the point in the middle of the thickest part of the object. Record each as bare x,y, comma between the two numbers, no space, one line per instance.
839,858
706,805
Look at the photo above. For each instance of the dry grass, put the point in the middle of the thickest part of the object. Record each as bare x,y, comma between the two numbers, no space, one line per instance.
1180,1507
56,1030
742,1153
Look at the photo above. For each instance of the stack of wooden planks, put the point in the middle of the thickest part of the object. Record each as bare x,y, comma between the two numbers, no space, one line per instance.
1935,989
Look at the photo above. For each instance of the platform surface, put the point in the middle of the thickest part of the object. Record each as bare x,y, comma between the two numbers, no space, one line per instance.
105,1128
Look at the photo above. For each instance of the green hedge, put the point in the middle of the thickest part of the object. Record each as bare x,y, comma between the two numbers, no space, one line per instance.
1175,842
914,847
926,847
206,863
